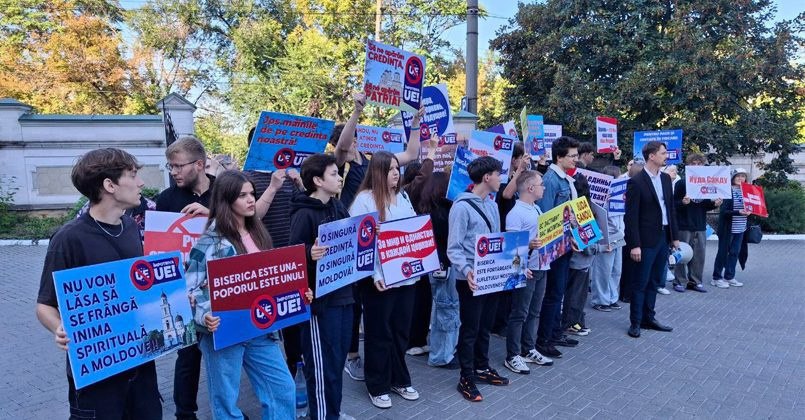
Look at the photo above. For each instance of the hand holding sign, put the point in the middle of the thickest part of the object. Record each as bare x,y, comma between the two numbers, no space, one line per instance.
317,251
61,337
212,322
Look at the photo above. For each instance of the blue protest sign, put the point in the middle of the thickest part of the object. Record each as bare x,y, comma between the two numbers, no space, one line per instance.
671,138
283,141
459,178
501,261
617,196
350,253
499,146
438,118
535,137
122,314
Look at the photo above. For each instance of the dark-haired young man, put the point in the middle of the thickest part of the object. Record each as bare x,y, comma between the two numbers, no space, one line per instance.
559,189
474,213
108,177
326,338
650,228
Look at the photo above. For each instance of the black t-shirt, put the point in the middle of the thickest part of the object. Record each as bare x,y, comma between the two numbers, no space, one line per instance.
353,181
82,242
174,199
505,205
277,219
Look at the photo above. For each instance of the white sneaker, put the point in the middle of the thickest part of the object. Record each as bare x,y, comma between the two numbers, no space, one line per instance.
721,284
344,416
663,291
534,356
381,401
407,392
517,365
415,351
735,283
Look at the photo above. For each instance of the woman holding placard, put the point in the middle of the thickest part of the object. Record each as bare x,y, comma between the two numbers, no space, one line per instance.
387,310
233,229
732,223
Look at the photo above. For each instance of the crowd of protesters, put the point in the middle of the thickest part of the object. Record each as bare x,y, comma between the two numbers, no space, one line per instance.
437,315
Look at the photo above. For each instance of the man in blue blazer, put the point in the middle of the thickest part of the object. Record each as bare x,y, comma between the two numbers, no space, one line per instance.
650,230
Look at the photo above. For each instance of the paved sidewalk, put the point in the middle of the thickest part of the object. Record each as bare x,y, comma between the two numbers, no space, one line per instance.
736,353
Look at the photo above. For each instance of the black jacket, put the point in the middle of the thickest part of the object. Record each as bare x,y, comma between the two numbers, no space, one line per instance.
306,215
643,213
692,216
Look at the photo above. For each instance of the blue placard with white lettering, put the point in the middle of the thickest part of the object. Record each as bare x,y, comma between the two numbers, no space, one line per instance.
283,141
671,138
350,253
617,197
122,314
459,177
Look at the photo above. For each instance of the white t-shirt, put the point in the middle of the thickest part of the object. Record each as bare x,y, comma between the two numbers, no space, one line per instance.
523,217
365,203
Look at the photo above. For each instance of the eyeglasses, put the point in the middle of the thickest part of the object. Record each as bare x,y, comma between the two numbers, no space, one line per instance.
170,167
573,156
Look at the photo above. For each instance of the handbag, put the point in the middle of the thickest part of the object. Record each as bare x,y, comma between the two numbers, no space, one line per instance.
754,234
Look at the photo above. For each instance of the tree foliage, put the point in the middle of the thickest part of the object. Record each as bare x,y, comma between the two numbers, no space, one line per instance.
716,68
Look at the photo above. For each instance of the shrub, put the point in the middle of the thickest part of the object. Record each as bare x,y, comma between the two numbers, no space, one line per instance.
786,209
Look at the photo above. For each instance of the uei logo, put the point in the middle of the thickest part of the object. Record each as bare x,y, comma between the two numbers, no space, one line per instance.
708,189
586,233
411,268
424,131
264,311
286,158
366,233
673,154
502,143
414,71
145,274
389,137
487,246
448,139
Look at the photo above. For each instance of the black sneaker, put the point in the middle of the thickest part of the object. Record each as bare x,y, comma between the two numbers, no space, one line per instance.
491,377
549,350
602,308
565,342
615,306
466,387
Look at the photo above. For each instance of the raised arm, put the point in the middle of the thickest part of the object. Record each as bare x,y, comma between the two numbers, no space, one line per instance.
411,152
347,138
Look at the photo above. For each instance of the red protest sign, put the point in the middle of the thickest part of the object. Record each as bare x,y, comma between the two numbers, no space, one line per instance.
407,249
257,293
754,201
168,232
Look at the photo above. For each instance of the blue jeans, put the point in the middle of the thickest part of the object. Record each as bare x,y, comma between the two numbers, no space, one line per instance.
444,319
606,274
264,363
521,332
649,274
728,262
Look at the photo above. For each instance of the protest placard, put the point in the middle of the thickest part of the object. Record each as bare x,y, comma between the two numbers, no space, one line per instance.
552,132
501,261
373,139
459,178
499,146
437,122
122,314
393,78
671,138
407,249
572,221
606,130
601,217
283,141
508,128
534,135
708,182
350,253
754,200
257,293
599,186
617,196
168,232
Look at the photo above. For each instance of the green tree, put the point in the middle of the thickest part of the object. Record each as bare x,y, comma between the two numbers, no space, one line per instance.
714,68
492,88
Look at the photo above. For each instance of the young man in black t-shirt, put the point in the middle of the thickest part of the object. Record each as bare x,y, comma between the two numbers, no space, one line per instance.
108,177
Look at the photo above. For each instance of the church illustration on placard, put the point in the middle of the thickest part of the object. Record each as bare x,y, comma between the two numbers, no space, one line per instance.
173,333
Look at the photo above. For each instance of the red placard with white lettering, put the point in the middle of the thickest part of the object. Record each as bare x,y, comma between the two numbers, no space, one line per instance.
257,293
754,200
407,249
168,232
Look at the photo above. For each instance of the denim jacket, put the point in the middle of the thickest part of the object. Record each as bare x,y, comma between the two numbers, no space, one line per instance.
557,190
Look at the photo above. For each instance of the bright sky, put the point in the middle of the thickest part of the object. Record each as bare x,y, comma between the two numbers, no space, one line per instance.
501,11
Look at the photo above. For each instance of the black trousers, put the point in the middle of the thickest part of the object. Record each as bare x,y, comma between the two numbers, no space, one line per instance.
477,315
132,394
357,311
325,342
185,381
420,321
387,323
292,343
